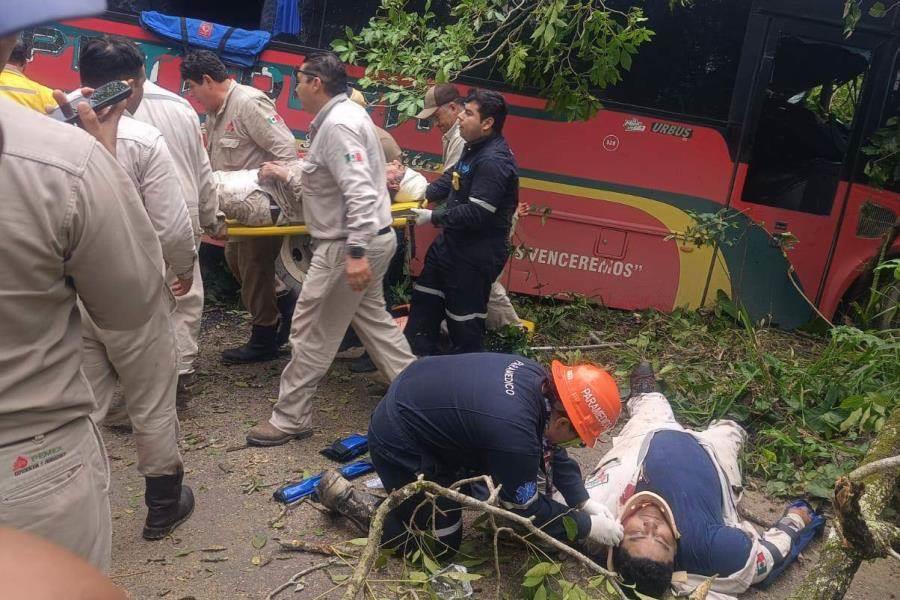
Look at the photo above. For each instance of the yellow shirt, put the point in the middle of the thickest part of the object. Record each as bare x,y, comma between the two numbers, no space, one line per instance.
18,88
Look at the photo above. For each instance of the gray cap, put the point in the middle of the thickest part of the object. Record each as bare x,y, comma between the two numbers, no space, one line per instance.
16,15
436,96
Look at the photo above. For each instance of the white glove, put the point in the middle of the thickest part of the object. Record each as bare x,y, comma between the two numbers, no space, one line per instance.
592,507
423,215
605,531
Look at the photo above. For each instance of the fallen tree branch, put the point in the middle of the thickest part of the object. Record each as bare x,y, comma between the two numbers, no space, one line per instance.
577,347
857,533
311,547
876,466
294,580
370,553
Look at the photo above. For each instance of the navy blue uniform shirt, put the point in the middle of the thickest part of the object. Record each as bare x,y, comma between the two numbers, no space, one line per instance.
482,413
482,192
677,468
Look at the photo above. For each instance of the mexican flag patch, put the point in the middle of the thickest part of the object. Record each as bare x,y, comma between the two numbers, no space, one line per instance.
354,157
274,119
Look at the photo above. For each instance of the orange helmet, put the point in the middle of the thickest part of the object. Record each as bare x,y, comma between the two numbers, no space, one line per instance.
590,396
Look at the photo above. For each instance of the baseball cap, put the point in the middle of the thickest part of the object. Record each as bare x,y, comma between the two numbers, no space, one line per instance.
436,96
17,16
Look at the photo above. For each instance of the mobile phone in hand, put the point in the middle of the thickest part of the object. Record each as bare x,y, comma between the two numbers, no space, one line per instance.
105,95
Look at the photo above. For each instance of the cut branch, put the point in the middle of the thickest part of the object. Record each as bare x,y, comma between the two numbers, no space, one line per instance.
395,498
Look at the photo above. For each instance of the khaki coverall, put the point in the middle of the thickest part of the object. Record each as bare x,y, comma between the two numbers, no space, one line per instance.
145,360
180,127
500,310
243,134
70,220
345,203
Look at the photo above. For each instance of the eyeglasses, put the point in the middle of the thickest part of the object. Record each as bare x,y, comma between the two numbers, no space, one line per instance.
308,73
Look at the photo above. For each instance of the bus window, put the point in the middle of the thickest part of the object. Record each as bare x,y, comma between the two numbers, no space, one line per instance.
804,127
891,110
680,70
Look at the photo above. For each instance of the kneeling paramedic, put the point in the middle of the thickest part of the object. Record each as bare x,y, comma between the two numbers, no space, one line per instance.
452,417
675,492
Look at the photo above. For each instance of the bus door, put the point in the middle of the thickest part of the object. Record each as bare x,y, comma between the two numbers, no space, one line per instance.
802,89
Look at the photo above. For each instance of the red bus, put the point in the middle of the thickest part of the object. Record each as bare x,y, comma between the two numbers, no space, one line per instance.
759,108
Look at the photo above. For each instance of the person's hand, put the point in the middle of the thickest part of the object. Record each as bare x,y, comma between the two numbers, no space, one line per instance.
181,286
273,172
592,507
423,215
522,209
607,532
359,273
103,125
802,512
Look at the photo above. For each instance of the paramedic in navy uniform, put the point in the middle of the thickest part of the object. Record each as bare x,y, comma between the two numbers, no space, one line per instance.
482,192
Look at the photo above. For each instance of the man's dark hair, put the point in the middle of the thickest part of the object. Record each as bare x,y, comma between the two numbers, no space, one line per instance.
648,577
329,68
108,58
20,53
490,104
198,63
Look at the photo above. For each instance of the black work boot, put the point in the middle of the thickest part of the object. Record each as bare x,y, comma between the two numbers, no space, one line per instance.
286,303
642,380
261,347
338,494
169,504
363,364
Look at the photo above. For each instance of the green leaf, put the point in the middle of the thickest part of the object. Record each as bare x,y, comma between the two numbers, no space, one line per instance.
463,576
571,527
259,541
540,593
430,564
418,577
532,581
358,541
542,569
878,10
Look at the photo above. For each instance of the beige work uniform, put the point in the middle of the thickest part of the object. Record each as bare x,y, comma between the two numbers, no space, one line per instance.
345,203
144,360
180,127
246,132
70,220
500,310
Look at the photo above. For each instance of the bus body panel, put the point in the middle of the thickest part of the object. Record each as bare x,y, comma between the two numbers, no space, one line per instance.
612,194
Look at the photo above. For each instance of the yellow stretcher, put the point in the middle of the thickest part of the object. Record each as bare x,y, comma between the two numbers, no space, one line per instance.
401,210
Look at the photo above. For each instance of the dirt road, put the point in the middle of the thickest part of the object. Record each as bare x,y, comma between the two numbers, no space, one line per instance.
226,551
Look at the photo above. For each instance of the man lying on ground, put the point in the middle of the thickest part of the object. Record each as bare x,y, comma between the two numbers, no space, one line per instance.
675,492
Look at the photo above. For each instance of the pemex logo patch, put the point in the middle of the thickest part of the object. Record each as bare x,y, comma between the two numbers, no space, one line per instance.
20,463
25,463
353,157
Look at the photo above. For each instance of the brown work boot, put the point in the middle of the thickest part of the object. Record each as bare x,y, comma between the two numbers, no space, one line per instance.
642,380
338,494
266,434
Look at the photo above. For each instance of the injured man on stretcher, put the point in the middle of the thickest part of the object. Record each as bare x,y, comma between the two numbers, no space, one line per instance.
254,200
272,195
675,493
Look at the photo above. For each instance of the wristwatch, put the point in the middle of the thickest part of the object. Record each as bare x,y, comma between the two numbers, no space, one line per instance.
356,251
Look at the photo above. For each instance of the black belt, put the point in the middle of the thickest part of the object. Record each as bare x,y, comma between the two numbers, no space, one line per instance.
383,230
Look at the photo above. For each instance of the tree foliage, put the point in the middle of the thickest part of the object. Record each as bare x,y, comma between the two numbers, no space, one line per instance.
565,50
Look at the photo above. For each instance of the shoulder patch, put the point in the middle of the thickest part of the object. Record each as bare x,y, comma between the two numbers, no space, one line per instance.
526,492
275,119
353,157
